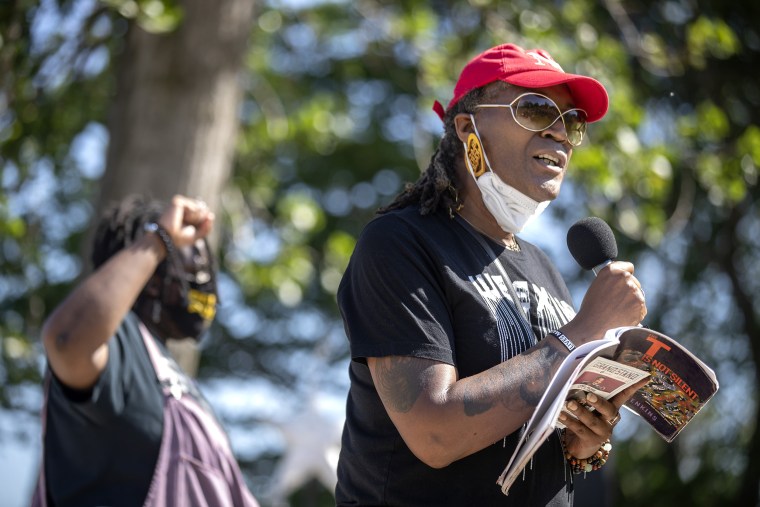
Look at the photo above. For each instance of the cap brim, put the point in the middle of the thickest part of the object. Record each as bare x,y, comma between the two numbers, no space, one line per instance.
588,93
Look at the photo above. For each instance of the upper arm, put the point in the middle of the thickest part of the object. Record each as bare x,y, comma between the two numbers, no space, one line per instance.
76,333
392,299
402,381
397,316
414,393
73,368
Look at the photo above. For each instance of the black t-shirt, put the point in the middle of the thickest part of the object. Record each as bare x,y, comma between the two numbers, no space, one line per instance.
424,287
101,445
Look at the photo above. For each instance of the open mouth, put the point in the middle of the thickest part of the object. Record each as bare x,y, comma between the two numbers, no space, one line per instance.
552,161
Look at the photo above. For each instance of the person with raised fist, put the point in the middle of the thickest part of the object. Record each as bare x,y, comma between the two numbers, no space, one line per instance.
123,425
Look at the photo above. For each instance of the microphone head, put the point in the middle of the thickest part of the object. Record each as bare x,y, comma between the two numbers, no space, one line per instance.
591,242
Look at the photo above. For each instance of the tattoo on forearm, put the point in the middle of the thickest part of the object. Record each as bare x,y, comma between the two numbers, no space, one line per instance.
476,400
532,389
535,381
551,355
400,381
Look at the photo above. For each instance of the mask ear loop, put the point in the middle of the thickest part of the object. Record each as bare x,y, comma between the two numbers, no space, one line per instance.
470,170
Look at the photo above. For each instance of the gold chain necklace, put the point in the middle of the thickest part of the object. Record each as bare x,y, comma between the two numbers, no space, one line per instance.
510,242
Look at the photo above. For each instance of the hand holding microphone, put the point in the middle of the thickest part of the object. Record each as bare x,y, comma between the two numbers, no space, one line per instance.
615,297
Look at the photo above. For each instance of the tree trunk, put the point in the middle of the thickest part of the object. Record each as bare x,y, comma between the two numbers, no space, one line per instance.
174,119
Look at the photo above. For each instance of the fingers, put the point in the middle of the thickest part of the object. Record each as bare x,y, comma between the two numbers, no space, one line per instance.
597,415
631,281
193,211
614,299
620,398
624,270
607,410
594,418
621,266
198,218
187,220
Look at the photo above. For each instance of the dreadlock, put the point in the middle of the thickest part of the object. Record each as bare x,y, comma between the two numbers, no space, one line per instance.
437,187
121,225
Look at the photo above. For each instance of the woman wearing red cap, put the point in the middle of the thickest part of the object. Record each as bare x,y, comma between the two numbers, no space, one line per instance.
455,324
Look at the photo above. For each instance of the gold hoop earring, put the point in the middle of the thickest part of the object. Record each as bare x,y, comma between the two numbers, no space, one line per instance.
474,154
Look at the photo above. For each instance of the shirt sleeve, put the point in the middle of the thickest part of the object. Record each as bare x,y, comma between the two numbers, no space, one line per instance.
392,295
105,399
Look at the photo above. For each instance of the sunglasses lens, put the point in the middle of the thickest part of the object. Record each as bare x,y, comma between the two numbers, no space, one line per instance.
535,112
575,125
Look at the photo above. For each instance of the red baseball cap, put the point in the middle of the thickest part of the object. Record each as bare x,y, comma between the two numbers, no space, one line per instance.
532,68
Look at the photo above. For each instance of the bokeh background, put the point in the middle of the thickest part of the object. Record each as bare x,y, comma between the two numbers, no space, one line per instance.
296,119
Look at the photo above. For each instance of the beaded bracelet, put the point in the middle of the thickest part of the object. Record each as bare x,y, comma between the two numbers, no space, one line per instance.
163,235
593,462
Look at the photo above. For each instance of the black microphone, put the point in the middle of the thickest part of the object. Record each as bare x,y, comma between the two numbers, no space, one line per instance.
592,243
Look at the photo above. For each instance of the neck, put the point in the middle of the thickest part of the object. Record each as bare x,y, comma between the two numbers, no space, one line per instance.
477,215
489,228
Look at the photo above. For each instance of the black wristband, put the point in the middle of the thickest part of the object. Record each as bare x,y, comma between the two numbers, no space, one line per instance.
156,229
570,346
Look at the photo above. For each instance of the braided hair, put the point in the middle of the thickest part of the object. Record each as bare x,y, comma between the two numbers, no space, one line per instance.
437,187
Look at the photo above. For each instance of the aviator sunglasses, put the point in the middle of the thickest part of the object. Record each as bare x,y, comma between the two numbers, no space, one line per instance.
536,112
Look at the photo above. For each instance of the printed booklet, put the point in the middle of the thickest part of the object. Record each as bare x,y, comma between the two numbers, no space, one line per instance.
680,385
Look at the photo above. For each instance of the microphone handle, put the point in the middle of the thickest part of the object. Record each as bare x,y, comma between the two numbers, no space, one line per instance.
596,269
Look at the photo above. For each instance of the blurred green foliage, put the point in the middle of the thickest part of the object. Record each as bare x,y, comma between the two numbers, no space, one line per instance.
337,117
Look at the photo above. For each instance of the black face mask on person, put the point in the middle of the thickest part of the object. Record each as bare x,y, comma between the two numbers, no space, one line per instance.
187,303
194,314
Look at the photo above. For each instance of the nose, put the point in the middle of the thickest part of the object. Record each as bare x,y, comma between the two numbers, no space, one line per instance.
556,131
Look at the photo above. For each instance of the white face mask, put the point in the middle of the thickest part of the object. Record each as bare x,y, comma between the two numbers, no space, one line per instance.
512,209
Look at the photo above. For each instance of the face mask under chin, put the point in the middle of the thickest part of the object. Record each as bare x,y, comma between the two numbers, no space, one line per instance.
511,209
